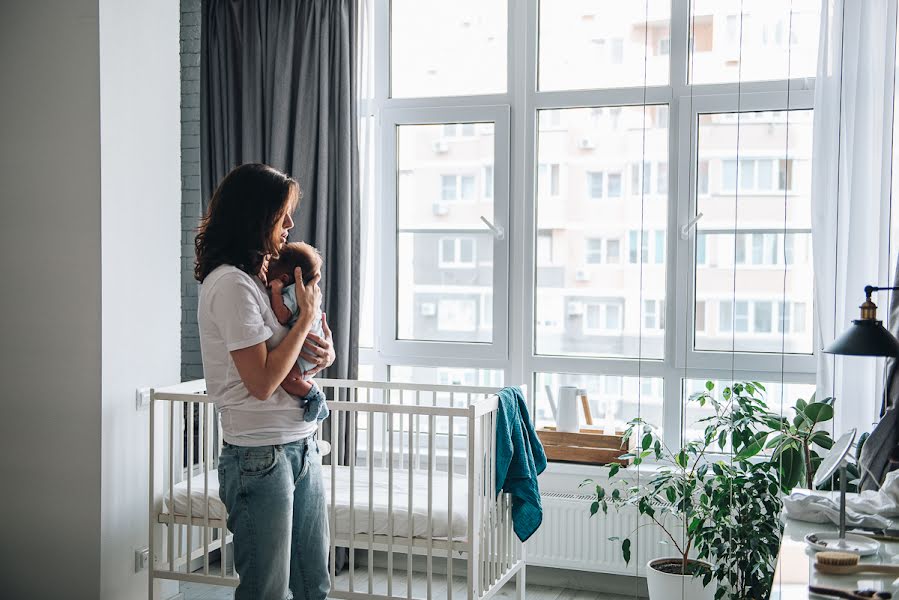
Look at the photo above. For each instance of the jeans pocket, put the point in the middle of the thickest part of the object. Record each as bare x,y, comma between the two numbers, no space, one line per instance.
311,455
257,461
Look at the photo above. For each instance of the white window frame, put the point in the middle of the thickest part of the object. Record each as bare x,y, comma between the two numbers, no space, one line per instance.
388,343
514,289
798,368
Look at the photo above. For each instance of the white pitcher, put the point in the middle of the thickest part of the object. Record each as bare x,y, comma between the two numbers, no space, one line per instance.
567,413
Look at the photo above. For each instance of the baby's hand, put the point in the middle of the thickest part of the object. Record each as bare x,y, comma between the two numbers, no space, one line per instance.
277,285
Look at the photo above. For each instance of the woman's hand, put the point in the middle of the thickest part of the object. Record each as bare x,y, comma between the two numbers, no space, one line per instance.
319,351
309,296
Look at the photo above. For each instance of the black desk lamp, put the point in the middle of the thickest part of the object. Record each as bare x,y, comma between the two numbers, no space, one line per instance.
866,336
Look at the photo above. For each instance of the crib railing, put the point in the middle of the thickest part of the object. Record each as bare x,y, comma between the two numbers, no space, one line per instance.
436,442
179,415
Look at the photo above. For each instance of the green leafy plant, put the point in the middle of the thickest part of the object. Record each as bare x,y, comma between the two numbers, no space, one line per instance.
710,499
741,495
796,441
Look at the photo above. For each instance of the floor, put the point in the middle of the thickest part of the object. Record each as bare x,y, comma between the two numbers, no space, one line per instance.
195,591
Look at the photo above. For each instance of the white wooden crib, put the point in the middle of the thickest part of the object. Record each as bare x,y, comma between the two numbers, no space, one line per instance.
414,478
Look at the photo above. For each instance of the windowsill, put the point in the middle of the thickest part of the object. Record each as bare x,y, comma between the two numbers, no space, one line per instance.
567,477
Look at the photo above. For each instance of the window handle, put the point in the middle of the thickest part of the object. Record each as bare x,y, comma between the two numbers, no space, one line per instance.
498,232
685,230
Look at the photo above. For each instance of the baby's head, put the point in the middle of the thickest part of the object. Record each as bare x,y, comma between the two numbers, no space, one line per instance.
291,256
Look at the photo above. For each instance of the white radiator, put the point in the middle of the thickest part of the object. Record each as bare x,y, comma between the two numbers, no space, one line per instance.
571,539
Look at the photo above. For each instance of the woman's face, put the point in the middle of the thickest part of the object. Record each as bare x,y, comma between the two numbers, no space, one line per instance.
279,235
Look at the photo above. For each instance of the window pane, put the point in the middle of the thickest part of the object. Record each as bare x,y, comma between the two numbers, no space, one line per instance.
466,250
577,36
613,317
594,251
703,183
572,217
613,399
762,317
741,316
613,251
595,185
767,52
766,175
447,48
729,179
700,316
762,264
488,181
448,187
467,187
614,185
725,315
441,289
448,250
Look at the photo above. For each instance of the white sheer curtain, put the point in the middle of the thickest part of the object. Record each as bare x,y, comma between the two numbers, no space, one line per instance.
851,192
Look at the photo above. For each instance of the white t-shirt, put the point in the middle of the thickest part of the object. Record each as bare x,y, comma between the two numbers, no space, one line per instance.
233,312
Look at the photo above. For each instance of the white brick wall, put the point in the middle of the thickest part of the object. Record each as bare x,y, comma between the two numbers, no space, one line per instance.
191,366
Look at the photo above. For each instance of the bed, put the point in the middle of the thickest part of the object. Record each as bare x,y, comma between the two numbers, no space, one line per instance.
437,441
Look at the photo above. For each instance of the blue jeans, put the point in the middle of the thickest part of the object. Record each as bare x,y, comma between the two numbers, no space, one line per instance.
277,512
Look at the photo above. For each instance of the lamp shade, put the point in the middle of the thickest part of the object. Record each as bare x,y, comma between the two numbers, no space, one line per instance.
865,337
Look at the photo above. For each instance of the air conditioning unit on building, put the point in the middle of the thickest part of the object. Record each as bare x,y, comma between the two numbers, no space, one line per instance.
586,144
428,309
440,146
441,209
575,309
582,275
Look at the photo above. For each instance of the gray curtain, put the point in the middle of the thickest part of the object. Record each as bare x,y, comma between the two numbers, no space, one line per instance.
278,87
880,453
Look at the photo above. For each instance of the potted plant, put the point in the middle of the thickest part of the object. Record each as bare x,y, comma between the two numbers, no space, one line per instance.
691,489
798,443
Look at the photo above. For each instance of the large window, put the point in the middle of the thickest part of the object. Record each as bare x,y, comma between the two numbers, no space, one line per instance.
552,248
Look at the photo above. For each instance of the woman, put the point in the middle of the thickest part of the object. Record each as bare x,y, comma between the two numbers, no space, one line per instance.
270,468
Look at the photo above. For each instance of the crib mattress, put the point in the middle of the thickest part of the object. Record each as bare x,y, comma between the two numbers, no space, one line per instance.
357,519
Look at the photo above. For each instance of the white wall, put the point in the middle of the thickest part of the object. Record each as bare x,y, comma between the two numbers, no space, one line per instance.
89,203
50,305
140,151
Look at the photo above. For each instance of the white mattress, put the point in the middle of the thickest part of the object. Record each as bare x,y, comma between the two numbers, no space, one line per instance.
381,494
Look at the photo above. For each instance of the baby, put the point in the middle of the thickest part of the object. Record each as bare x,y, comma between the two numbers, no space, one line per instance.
284,304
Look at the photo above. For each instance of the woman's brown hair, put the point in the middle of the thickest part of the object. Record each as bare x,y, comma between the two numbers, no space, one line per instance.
244,211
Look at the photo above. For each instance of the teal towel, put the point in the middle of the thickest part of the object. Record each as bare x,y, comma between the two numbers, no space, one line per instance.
519,459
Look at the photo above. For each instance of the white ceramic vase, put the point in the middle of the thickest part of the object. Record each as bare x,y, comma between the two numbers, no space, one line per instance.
668,586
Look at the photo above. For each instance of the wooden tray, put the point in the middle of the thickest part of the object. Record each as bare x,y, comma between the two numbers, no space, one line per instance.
589,446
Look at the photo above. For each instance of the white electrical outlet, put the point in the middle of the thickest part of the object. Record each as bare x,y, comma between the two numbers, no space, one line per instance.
142,398
141,559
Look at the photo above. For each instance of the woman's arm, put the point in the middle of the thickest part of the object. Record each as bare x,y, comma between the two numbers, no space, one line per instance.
261,370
